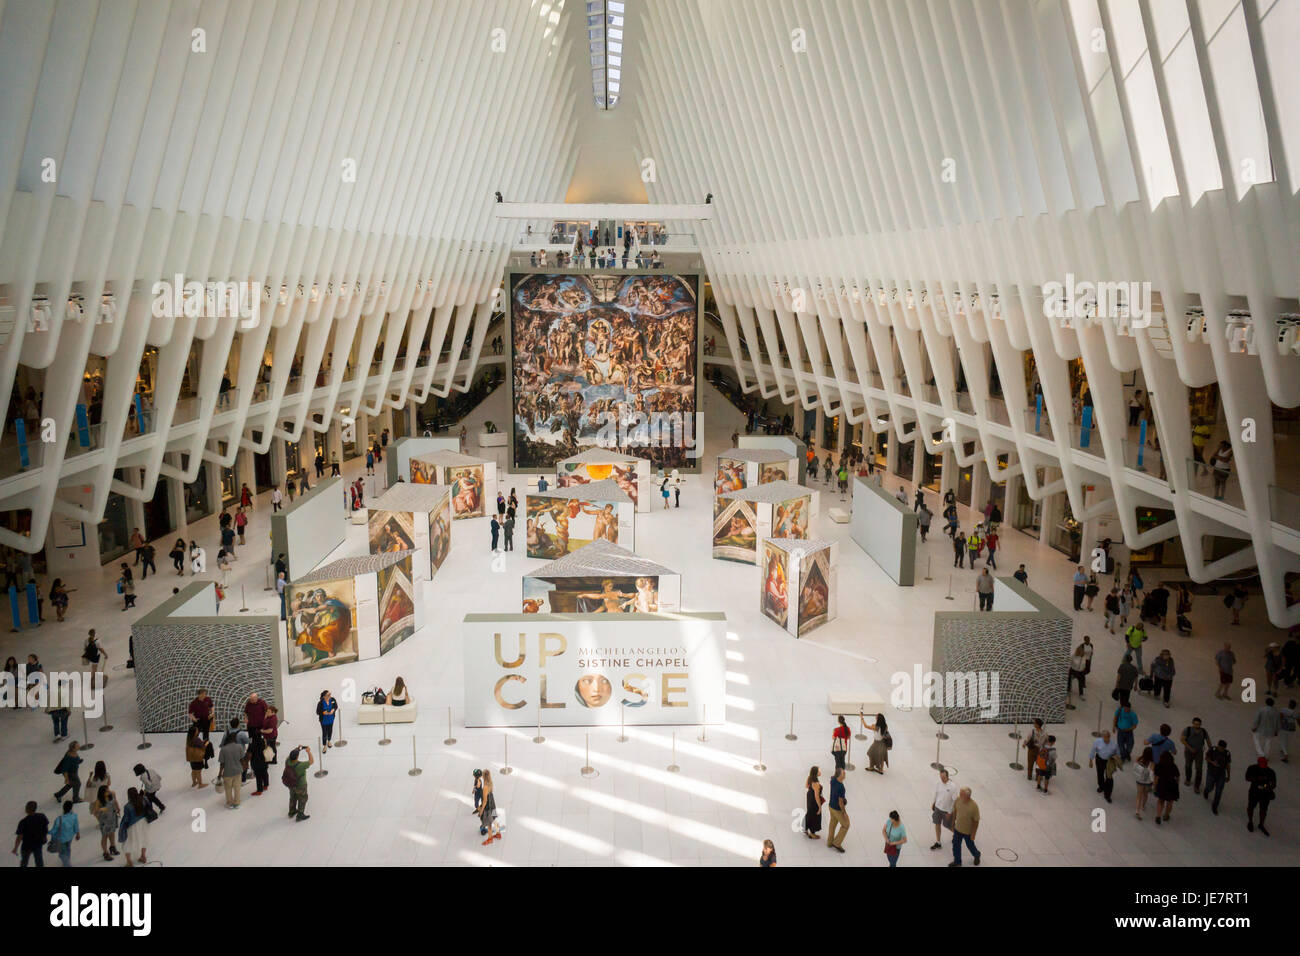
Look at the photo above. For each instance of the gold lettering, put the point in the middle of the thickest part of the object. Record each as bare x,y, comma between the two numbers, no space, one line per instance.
543,704
518,661
496,691
669,688
543,637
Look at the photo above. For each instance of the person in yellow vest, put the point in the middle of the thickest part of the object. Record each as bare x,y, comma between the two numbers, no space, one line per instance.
1201,433
974,544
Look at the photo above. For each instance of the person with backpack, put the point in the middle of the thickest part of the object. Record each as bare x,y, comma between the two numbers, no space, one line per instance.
1033,744
1046,763
63,831
150,783
1218,768
326,710
1162,675
1194,739
133,832
1136,636
69,767
295,778
974,544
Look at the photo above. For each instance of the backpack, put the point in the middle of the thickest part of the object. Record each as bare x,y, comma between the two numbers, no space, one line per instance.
380,696
290,776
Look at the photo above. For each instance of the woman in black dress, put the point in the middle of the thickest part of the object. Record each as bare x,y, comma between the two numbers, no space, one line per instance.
812,818
1166,774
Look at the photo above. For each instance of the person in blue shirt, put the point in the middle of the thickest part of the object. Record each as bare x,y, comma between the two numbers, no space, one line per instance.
63,831
326,708
1125,720
1160,743
541,483
895,835
839,813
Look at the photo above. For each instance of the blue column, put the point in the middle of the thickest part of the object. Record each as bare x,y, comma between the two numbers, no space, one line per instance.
1085,428
13,607
139,413
33,606
20,429
1142,442
1038,413
83,426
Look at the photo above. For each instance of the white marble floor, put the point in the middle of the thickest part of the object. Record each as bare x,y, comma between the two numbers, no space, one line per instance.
718,809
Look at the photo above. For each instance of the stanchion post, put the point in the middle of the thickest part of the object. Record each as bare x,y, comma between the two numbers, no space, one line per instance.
860,735
85,735
588,770
506,769
1100,705
791,735
450,739
322,772
704,726
760,766
383,716
338,722
104,698
941,735
415,770
622,730
848,751
948,596
143,744
1073,762
929,559
672,767
539,739
938,743
1015,756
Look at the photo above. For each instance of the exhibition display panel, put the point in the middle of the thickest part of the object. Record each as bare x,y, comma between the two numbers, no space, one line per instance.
1004,666
602,578
397,456
473,481
796,448
603,360
562,520
308,528
743,519
886,529
351,609
798,589
600,464
582,670
745,467
184,644
413,517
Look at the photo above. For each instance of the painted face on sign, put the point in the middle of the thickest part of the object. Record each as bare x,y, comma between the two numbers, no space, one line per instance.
593,690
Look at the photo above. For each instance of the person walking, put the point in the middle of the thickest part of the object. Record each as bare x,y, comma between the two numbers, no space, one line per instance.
126,588
1218,770
245,496
326,709
133,831
974,544
881,744
31,835
984,585
1237,602
1162,675
923,522
1080,666
1265,727
1126,676
1226,661
277,496
840,742
991,545
1263,788
147,555
1194,739
895,835
108,815
1104,758
295,778
241,524
1272,667
941,804
965,824
1125,723
1286,727
70,767
177,554
67,828
1032,744
1160,743
1136,636
1144,777
813,802
370,462
1166,774
489,816
1080,586
137,543
1046,764
839,812
1111,605
959,549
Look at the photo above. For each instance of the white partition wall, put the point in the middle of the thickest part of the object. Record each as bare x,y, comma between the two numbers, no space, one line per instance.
307,529
583,670
886,529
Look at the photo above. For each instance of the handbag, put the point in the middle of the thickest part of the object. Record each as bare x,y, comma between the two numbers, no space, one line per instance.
268,753
837,745
891,850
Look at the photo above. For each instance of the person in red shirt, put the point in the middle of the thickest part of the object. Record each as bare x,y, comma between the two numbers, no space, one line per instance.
840,742
200,711
255,712
991,543
271,731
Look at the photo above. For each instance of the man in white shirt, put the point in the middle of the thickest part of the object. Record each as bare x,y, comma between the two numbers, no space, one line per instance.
945,794
276,497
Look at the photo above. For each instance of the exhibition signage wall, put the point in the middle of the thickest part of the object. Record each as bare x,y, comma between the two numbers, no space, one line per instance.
413,517
746,467
183,644
599,464
561,520
1004,666
798,587
351,609
886,529
473,481
308,528
602,578
584,670
742,519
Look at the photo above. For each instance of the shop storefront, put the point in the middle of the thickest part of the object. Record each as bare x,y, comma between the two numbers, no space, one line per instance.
1162,554
932,469
198,502
291,459
229,487
158,512
1067,534
114,530
906,458
263,476
1027,515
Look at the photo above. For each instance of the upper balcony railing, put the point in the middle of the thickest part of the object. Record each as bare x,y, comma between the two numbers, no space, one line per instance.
1202,479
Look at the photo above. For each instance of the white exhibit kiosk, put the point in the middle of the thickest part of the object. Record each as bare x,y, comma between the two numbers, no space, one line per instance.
590,670
600,464
562,520
746,467
797,583
743,519
602,578
411,517
473,481
397,460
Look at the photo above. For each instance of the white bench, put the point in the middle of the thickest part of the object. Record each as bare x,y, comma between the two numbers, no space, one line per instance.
838,515
379,713
361,516
863,700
